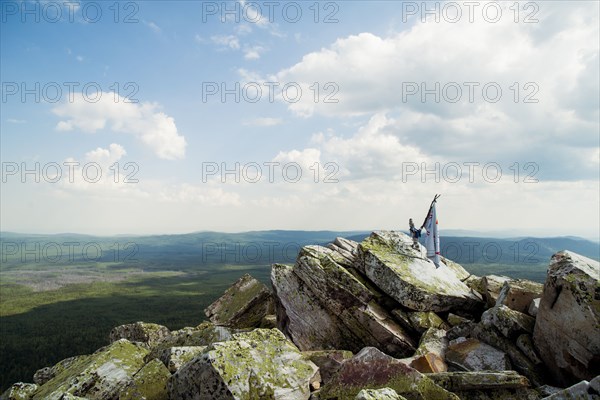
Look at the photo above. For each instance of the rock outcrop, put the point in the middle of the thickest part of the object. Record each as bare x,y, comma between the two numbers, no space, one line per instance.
342,312
369,320
101,375
261,364
410,278
568,321
372,369
244,305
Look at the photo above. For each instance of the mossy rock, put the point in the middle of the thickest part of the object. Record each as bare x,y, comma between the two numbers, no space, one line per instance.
150,383
257,365
98,376
20,391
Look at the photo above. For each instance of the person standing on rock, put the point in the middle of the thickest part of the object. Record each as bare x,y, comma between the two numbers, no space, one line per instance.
414,233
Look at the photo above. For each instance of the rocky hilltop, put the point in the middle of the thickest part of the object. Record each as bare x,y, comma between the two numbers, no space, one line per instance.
370,320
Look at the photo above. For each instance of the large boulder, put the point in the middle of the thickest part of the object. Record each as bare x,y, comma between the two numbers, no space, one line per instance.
261,364
519,361
143,332
372,369
410,278
517,294
243,305
473,355
568,320
343,299
98,376
510,322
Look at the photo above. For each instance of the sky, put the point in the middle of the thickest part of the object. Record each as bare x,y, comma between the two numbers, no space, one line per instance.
147,117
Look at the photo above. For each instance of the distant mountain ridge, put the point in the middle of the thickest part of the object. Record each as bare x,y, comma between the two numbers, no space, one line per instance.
265,247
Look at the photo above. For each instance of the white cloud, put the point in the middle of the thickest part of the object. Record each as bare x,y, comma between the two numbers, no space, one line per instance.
108,156
559,59
228,41
153,127
253,52
16,121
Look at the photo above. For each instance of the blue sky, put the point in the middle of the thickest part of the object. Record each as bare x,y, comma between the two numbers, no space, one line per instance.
401,91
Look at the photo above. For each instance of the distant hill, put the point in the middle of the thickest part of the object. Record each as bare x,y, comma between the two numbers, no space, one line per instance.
275,246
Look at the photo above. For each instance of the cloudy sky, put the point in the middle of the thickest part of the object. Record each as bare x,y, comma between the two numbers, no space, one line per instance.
178,116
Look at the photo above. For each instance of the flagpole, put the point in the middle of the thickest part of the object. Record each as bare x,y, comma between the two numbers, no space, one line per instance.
437,196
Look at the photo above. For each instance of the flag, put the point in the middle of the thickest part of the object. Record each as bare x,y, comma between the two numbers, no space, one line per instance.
432,241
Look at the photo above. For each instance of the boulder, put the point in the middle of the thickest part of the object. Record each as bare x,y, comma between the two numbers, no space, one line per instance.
142,332
243,305
20,391
534,306
204,334
357,316
429,356
433,341
479,380
372,369
261,364
473,355
328,361
428,363
423,320
581,390
568,321
517,294
344,251
98,376
378,394
595,384
149,383
491,286
303,318
509,322
174,357
525,344
454,320
410,278
519,362
43,375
